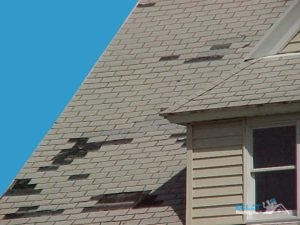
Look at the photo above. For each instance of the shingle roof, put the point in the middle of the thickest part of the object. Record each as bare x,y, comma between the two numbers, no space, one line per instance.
266,80
111,139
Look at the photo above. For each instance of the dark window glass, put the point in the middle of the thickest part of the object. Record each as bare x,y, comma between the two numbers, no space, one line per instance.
280,185
274,147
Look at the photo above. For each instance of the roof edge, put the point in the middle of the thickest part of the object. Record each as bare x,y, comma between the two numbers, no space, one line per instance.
232,112
175,107
279,34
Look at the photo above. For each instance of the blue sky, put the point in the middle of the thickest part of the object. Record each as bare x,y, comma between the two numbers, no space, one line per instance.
46,50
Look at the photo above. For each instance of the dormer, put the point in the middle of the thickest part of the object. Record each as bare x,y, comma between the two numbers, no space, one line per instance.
283,37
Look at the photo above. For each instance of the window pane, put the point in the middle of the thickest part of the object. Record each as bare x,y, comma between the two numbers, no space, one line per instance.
274,147
280,185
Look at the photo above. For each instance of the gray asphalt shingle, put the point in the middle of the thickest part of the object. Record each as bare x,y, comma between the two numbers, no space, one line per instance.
263,81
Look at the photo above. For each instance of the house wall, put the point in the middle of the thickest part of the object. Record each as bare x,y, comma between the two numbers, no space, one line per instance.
215,177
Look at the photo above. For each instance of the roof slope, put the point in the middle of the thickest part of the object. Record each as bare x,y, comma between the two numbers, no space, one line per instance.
266,80
110,138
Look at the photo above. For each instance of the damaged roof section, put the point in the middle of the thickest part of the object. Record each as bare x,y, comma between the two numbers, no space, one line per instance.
146,4
22,187
32,211
204,59
124,200
79,150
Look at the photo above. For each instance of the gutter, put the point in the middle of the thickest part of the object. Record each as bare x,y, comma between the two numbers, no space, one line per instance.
188,117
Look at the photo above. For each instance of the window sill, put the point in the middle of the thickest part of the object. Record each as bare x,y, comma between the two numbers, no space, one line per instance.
292,220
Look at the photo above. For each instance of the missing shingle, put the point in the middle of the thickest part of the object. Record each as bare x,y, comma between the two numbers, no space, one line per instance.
79,176
124,197
67,157
47,168
169,57
82,143
28,209
79,150
149,201
144,5
108,207
78,140
22,187
125,200
220,46
32,213
204,59
118,141
225,41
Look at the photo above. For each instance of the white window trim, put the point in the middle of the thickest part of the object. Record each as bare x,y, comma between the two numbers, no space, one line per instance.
249,188
279,34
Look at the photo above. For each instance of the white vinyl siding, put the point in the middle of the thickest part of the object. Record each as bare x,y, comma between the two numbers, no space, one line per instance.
217,172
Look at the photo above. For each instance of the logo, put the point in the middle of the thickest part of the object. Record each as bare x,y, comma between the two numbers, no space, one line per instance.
268,207
273,206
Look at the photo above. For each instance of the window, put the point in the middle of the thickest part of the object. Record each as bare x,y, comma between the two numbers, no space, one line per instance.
274,168
272,171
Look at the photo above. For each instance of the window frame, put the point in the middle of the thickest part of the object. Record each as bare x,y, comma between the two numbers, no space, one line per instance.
249,181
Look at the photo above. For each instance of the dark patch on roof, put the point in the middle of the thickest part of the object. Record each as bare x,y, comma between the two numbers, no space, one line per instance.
144,5
79,176
149,201
125,200
22,187
47,168
169,57
79,150
204,59
220,46
118,141
27,212
226,40
27,209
